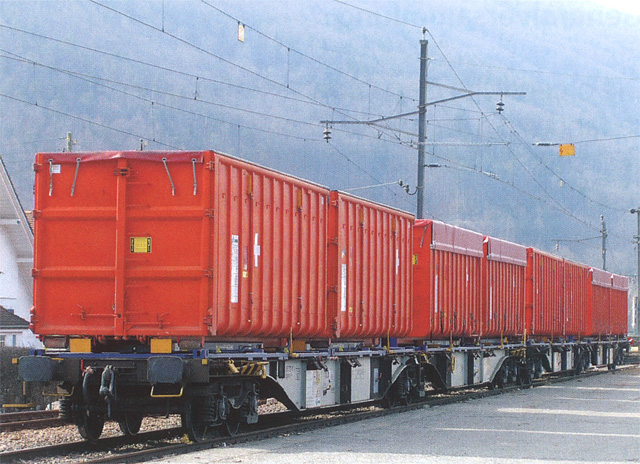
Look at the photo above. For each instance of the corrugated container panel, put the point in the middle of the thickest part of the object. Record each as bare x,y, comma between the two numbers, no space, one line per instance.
576,305
503,312
370,271
619,305
447,281
599,303
177,244
270,253
544,296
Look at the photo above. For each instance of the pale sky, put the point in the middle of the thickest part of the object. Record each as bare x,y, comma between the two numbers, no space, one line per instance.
627,6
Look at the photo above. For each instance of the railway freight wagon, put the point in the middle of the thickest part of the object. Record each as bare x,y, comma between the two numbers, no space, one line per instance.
599,303
619,305
575,307
447,281
504,289
544,294
370,272
195,283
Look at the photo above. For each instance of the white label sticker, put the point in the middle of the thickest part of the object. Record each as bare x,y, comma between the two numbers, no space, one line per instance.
490,303
256,250
435,293
54,169
397,260
343,290
235,265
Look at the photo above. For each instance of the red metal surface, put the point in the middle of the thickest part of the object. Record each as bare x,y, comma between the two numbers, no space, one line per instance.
544,297
237,250
86,279
619,305
269,253
447,281
369,263
599,303
503,311
575,306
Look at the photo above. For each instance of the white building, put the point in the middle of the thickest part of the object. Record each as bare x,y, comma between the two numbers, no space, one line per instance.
12,329
16,261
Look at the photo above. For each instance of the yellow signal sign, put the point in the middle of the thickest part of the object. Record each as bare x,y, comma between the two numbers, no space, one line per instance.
567,149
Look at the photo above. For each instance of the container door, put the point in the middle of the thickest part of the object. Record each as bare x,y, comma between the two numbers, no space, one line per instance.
162,249
121,244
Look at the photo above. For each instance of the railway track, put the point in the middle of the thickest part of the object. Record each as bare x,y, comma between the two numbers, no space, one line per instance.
155,444
29,420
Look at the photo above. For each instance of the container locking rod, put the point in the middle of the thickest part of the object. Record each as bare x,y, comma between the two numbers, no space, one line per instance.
50,177
195,181
75,176
173,188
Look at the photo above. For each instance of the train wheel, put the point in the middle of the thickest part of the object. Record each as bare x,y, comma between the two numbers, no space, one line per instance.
501,378
130,423
525,374
90,426
398,394
233,423
193,421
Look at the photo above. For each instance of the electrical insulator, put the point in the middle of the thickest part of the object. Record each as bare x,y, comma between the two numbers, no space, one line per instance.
326,133
500,106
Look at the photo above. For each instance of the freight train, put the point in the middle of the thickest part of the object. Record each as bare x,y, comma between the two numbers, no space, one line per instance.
196,283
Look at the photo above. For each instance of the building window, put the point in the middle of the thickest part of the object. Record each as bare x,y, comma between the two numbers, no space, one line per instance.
13,340
2,339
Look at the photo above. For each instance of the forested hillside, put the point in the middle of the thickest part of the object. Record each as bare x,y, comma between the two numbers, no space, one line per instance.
174,74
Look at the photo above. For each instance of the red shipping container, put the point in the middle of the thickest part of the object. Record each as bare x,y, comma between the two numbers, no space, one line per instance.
619,305
176,244
447,281
503,308
575,307
599,303
369,262
544,296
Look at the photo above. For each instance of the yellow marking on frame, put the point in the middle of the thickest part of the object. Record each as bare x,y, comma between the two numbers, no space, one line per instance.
161,345
232,367
80,345
178,395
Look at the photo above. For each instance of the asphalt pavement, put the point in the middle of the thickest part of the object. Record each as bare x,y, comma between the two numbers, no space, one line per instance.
585,420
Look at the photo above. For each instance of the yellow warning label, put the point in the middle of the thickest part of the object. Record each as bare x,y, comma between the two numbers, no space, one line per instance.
140,244
415,259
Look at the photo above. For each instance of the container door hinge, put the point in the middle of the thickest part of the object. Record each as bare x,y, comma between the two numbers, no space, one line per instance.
208,273
208,321
122,172
209,213
35,272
